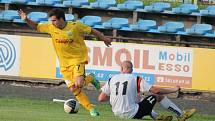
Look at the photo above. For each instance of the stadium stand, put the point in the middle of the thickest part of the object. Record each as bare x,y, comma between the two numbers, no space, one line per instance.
75,3
69,17
5,1
158,7
38,16
91,20
116,23
103,4
130,5
144,25
209,11
9,15
20,1
172,27
200,29
185,9
45,2
160,23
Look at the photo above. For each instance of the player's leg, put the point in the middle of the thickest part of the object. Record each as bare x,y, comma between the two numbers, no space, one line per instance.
145,107
74,80
187,114
83,100
89,78
80,81
93,81
169,105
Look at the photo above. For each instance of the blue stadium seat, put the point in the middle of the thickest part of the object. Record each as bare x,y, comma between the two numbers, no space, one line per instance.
75,3
38,16
200,29
69,17
116,23
20,1
209,11
171,27
130,5
91,20
9,15
18,20
144,25
158,7
45,2
4,1
103,4
185,9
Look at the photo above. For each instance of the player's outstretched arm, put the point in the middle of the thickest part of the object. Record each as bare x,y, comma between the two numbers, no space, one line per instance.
101,37
161,90
24,17
103,97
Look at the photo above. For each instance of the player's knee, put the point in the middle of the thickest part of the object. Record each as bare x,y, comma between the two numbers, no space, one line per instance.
73,88
159,97
79,81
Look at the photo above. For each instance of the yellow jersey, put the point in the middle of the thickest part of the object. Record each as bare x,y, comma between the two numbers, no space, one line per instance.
68,42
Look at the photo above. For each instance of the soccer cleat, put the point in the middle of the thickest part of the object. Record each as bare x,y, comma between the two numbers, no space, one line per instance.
187,114
163,118
93,112
95,82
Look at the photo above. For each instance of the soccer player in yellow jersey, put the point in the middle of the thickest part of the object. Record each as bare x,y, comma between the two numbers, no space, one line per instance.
68,41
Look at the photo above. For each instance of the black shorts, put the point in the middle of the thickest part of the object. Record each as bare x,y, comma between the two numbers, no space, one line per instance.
145,107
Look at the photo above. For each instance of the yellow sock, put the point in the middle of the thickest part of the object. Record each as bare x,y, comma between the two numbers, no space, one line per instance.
88,79
83,99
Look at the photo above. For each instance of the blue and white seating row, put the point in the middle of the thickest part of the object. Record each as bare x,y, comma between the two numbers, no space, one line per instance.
149,26
103,4
35,16
131,5
75,3
144,25
120,24
116,23
57,3
9,15
185,9
17,1
91,20
171,27
209,11
33,2
136,5
12,15
201,29
157,7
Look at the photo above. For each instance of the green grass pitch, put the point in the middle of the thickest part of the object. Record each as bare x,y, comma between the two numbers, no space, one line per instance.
17,109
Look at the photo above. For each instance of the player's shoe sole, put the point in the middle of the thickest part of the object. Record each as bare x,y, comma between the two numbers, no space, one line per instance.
187,114
163,118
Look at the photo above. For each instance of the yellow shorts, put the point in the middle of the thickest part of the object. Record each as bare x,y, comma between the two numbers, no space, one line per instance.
70,72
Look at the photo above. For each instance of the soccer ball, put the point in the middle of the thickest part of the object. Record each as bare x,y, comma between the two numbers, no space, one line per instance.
71,106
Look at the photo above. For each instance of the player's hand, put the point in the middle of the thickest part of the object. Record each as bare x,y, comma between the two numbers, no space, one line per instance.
22,14
178,88
107,41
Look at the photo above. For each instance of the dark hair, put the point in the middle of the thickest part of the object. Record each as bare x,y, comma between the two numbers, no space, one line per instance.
59,13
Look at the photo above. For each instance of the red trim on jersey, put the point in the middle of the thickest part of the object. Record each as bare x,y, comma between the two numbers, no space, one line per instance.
139,79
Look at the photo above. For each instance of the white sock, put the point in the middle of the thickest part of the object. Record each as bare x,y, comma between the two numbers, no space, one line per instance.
154,114
168,104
